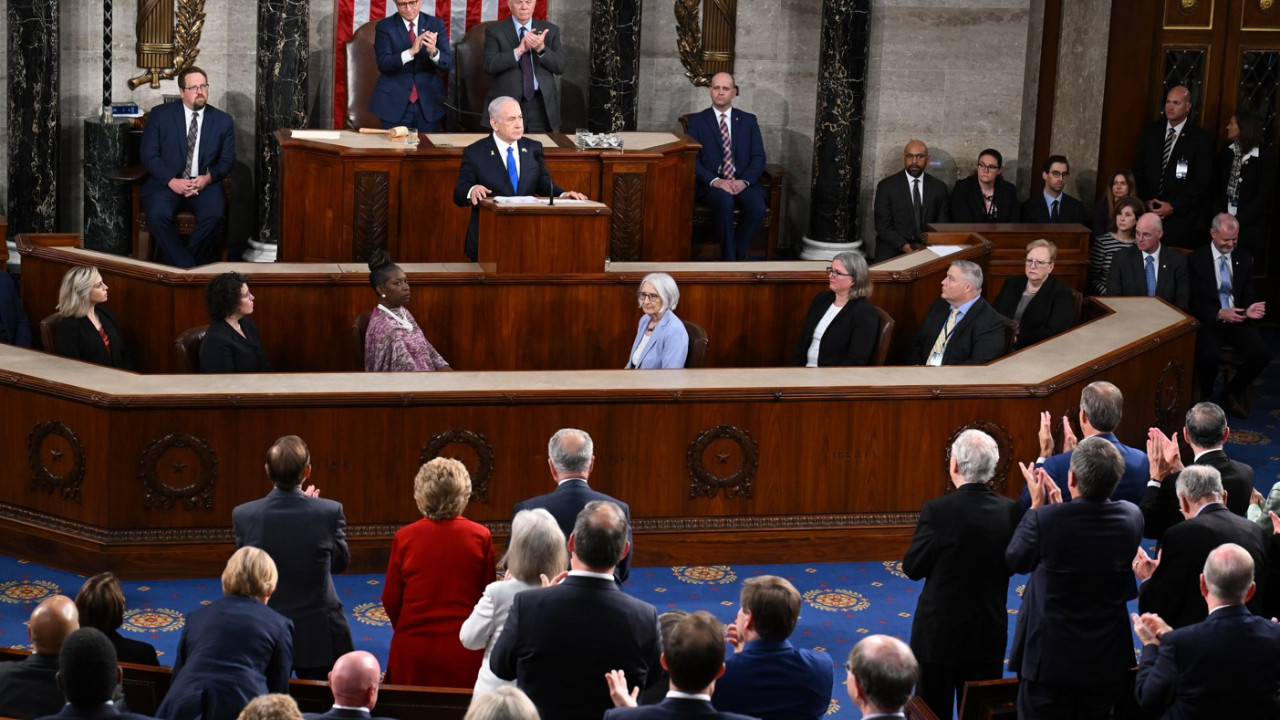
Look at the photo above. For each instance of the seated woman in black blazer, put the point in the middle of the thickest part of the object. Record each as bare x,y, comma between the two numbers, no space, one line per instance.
1040,305
840,328
232,344
88,331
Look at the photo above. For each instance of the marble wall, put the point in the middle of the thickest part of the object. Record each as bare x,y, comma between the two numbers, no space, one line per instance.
4,113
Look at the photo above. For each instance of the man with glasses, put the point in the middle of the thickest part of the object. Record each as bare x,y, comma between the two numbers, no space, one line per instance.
523,56
186,147
1148,268
906,202
412,49
1054,204
985,196
1174,170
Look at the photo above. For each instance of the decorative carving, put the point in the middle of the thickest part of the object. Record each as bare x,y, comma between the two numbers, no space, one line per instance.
708,49
42,443
370,225
626,232
1169,396
1189,5
159,42
1266,6
168,475
483,470
689,41
707,483
1004,441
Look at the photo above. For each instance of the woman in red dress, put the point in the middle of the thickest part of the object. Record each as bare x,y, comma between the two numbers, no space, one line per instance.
439,568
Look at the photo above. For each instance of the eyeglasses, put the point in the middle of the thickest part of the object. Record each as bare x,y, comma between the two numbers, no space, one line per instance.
832,271
648,297
1059,173
984,166
1032,262
197,88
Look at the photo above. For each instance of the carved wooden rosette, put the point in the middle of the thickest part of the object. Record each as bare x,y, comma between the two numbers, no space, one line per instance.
720,439
64,468
178,467
1169,397
1004,441
370,226
481,469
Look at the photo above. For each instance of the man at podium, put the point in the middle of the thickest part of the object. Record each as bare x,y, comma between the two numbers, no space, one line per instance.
506,163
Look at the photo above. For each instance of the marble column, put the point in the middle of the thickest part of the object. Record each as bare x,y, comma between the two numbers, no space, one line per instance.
106,202
283,29
838,125
613,78
33,115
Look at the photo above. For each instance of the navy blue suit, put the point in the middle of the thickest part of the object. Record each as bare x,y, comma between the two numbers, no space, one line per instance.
673,709
748,161
342,714
1245,337
564,504
481,165
1070,210
390,100
1133,483
775,681
14,328
1128,277
164,154
97,712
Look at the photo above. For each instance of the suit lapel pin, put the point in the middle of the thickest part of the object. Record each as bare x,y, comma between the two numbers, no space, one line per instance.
524,150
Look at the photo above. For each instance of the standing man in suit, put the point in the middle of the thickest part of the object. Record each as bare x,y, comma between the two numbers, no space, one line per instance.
1148,268
985,196
571,456
1225,667
1174,170
523,58
1072,647
728,167
907,202
1222,299
354,683
28,688
560,641
306,537
412,50
882,675
187,147
960,328
88,676
961,626
1054,204
506,163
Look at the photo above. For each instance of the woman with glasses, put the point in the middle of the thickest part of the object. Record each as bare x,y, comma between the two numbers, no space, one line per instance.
661,340
88,331
1124,219
1122,186
1246,179
841,326
984,196
232,344
1040,305
394,342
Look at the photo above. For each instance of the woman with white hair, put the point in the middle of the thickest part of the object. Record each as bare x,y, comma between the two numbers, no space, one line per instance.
661,340
87,331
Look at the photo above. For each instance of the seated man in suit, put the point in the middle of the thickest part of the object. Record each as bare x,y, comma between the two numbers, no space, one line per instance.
728,167
961,328
1226,666
767,676
490,167
524,57
186,147
1223,300
354,683
1148,268
907,202
14,327
985,196
882,676
1173,168
1054,205
28,688
412,50
89,676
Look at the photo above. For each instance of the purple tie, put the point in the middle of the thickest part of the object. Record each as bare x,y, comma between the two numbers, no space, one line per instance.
727,170
526,71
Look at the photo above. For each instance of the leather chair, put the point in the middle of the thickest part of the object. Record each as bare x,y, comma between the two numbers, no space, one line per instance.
697,345
362,76
47,327
186,349
470,81
1077,306
884,337
359,328
184,223
705,244
1010,334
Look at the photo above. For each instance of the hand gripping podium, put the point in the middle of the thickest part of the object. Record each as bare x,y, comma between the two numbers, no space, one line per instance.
536,238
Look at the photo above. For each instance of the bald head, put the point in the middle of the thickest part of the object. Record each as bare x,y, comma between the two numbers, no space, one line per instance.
51,622
354,680
915,157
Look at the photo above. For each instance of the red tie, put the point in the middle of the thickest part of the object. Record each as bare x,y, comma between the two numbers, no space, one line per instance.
413,91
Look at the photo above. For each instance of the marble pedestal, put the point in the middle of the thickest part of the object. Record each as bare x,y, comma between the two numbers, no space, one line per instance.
106,202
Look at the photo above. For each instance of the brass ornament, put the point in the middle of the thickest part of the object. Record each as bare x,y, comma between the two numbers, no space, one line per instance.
1266,6
1189,5
159,42
689,41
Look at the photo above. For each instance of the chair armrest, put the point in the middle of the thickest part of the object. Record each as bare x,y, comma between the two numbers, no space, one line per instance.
131,173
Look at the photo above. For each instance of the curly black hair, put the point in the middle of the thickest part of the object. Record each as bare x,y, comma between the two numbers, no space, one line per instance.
222,294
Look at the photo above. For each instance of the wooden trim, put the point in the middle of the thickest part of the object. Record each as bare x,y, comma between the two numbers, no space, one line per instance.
1046,92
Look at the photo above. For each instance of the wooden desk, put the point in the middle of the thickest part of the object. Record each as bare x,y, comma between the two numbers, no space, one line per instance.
543,239
340,199
1009,256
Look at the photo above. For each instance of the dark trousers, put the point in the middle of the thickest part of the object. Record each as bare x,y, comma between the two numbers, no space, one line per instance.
208,207
413,118
942,686
1046,701
535,114
1246,338
735,242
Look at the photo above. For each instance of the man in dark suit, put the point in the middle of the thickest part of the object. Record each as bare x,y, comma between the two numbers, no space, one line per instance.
560,641
354,683
907,202
961,626
960,328
1225,667
506,163
187,147
306,537
732,178
1222,299
89,676
1148,268
1174,170
767,676
1170,581
28,688
882,675
1054,205
1072,645
412,50
14,327
1205,430
985,196
571,456
524,57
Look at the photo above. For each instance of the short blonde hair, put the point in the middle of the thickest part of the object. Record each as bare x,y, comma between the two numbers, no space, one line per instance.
250,572
73,296
1047,245
505,703
442,489
275,706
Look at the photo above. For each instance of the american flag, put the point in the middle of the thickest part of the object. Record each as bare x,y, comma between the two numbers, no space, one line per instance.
458,16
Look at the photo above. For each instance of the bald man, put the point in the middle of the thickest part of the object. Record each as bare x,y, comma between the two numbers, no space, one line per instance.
882,676
354,683
1174,171
906,202
29,689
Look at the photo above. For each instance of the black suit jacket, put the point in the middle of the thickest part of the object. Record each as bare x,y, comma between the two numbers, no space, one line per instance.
481,165
566,501
1050,312
967,205
97,712
1160,504
958,548
559,642
223,350
978,338
306,537
1188,195
28,688
673,709
342,714
500,41
1070,210
78,338
1128,276
848,340
895,213
1254,195
132,651
1204,283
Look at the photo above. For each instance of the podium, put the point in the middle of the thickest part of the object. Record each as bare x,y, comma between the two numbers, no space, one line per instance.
537,238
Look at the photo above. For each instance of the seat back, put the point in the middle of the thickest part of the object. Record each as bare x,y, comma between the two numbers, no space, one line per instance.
1010,334
988,699
362,76
47,326
1077,306
186,348
359,327
697,345
884,336
470,81
684,123
917,709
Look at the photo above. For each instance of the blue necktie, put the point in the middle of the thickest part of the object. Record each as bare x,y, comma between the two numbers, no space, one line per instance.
1151,276
511,170
1224,286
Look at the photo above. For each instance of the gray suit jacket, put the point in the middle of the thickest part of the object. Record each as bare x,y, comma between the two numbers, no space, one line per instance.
500,42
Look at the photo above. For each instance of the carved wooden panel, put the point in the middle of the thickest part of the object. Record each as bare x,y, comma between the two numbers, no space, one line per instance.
480,467
717,450
178,468
1188,14
1260,15
370,223
627,232
56,457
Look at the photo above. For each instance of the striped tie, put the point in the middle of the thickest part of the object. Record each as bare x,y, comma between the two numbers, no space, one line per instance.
940,345
193,134
727,170
1224,285
1168,152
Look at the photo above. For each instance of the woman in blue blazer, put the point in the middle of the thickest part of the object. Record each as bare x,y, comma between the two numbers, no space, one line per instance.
661,340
